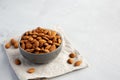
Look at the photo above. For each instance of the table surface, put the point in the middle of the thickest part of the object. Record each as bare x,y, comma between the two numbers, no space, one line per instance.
93,26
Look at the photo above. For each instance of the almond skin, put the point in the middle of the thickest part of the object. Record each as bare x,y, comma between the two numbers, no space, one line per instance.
72,55
23,45
70,61
77,63
17,62
31,70
13,41
53,47
7,45
53,33
59,41
28,45
16,45
48,47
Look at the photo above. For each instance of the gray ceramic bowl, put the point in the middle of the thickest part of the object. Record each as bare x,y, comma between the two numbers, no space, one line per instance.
40,58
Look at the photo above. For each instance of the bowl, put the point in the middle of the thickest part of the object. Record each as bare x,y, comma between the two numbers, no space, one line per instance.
41,58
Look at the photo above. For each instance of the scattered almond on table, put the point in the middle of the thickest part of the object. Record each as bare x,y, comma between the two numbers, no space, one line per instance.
12,42
7,45
77,63
31,70
72,55
70,61
17,62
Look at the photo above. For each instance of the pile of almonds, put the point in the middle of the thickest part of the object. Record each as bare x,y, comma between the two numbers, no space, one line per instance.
71,60
40,40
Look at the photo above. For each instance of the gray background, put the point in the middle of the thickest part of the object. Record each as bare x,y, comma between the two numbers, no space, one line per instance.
93,26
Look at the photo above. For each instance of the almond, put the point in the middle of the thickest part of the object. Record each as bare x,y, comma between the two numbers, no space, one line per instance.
24,37
59,41
17,62
49,32
77,63
13,41
28,45
23,45
57,36
45,31
16,45
37,49
41,34
53,47
42,41
70,61
48,47
53,33
57,44
36,43
34,36
39,38
7,45
31,70
46,44
30,39
54,39
50,42
45,38
72,55
29,50
46,51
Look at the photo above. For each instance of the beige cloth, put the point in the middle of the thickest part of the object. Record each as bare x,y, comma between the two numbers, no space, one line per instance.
57,67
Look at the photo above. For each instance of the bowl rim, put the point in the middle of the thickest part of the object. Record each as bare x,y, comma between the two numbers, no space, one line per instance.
41,53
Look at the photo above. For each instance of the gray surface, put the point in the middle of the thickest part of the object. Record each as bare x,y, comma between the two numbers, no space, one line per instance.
93,26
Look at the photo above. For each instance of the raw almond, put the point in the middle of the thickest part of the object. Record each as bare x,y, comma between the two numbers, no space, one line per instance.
30,39
59,41
36,43
34,36
37,49
53,33
17,62
50,42
77,63
46,51
23,45
57,44
70,61
48,47
24,37
31,70
29,50
49,32
53,47
28,45
13,41
46,44
16,45
7,45
45,31
39,38
72,55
